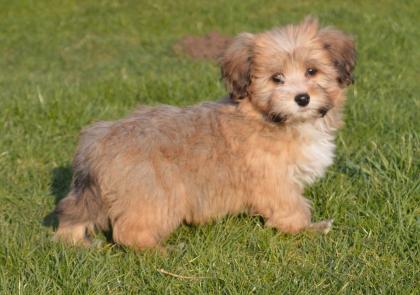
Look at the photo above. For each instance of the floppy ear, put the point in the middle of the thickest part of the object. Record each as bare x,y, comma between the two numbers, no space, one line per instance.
235,65
342,52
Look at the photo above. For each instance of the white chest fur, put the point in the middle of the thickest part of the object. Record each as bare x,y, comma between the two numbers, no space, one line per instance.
315,152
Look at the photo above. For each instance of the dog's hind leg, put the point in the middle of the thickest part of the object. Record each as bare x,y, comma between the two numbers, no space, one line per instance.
135,234
143,226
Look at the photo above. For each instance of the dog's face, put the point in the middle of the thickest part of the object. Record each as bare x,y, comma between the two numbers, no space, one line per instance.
290,74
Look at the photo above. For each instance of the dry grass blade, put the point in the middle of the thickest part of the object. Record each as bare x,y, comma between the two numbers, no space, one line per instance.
162,271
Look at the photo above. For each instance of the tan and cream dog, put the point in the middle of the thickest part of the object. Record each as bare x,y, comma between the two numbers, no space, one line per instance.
144,175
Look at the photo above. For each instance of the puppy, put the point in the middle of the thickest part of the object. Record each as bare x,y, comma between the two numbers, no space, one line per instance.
255,151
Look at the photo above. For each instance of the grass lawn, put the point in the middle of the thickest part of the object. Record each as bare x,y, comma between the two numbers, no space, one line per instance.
66,64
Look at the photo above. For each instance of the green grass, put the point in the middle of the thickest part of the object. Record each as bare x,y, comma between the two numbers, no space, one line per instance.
66,64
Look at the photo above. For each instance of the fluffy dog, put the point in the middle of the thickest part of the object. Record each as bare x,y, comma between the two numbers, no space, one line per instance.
254,151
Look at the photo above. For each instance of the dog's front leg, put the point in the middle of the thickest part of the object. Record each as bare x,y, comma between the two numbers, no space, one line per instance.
291,215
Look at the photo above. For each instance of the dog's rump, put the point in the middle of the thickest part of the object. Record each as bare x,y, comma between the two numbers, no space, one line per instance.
83,209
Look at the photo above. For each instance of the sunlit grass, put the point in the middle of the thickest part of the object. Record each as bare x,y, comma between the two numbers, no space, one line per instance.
65,65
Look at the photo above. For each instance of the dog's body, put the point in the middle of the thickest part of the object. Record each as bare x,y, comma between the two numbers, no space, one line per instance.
253,152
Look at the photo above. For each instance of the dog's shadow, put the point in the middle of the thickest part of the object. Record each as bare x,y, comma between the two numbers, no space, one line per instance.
60,186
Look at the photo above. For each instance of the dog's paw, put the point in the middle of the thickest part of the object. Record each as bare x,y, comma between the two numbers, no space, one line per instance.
323,226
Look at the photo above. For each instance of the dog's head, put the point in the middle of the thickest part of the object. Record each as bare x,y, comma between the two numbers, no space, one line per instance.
290,74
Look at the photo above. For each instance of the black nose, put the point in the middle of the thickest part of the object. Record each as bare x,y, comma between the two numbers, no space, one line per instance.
302,99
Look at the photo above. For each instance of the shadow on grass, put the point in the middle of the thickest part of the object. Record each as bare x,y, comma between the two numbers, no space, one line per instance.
60,186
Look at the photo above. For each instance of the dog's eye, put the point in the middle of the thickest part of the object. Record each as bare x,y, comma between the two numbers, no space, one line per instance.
311,71
278,78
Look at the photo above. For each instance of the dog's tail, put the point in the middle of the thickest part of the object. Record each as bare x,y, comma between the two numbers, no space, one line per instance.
83,210
79,215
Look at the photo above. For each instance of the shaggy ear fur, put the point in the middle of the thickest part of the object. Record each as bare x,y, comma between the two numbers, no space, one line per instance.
310,24
235,65
342,51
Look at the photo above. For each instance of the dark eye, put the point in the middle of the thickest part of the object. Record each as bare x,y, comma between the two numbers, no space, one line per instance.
311,71
278,78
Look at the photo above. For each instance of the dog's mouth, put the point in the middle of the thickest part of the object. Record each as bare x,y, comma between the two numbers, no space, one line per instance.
277,118
323,111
